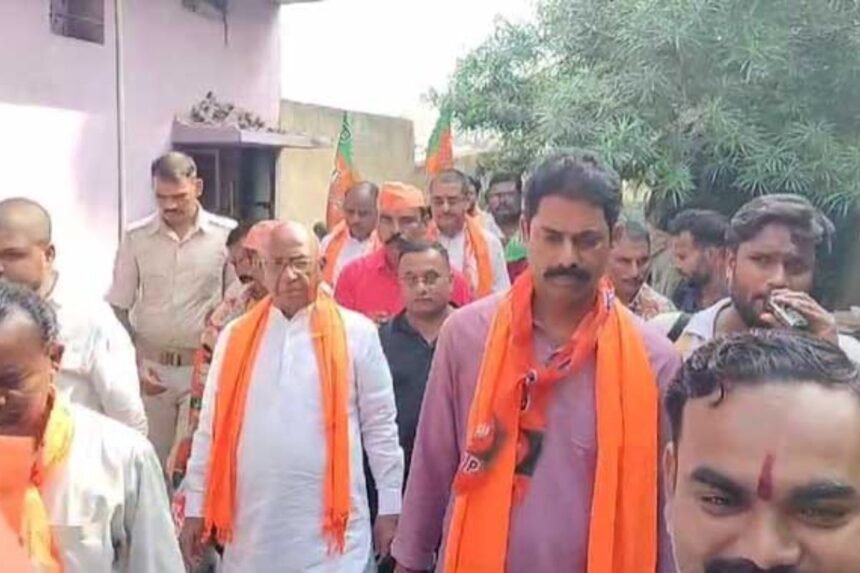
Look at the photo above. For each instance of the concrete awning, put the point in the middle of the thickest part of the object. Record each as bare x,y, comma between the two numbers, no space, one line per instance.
231,136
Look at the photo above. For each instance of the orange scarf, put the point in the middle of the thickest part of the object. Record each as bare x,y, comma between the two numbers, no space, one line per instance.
329,339
477,249
20,499
340,235
507,421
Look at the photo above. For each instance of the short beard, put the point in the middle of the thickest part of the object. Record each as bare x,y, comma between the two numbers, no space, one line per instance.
747,312
506,219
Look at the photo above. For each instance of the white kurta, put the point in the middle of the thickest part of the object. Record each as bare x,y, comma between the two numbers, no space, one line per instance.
107,504
98,369
456,247
282,451
352,250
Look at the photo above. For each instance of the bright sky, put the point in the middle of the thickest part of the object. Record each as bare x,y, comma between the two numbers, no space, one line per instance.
382,56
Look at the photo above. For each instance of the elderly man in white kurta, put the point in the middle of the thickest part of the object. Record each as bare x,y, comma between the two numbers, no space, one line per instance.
298,390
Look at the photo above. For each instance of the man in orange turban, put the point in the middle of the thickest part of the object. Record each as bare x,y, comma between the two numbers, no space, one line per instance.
369,285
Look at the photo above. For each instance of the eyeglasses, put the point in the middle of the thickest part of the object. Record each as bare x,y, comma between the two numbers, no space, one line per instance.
280,264
430,279
450,201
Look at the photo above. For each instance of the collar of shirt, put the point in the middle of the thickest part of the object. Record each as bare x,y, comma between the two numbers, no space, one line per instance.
299,319
57,296
401,324
703,323
202,223
376,260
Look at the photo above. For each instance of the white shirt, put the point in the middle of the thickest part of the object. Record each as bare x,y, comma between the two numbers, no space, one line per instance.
282,451
107,504
352,249
456,247
489,223
98,370
702,328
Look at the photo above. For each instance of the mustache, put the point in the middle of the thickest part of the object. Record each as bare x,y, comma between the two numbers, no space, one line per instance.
573,271
744,566
397,239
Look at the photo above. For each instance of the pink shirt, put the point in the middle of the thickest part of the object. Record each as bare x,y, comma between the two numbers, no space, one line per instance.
549,529
367,285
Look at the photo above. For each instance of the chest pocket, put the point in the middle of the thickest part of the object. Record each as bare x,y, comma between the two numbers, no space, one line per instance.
201,267
155,263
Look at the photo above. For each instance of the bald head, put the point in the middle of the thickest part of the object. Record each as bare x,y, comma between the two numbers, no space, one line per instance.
290,236
26,217
364,190
26,252
360,210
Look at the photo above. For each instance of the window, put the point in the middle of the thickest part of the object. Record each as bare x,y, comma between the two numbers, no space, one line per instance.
80,19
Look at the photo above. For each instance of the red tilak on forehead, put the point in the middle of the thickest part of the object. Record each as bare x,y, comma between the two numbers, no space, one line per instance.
765,479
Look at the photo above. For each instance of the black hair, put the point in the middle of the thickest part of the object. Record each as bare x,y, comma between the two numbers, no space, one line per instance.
708,228
174,166
16,300
576,176
416,247
452,177
807,224
475,183
756,358
239,232
506,177
320,230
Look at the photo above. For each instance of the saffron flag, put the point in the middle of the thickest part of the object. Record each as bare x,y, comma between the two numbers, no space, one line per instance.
343,176
440,150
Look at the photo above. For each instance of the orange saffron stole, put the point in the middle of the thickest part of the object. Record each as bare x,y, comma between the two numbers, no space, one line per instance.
510,405
477,243
476,247
330,347
339,238
21,503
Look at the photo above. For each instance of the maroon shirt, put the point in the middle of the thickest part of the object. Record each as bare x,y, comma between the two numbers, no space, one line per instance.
549,528
367,285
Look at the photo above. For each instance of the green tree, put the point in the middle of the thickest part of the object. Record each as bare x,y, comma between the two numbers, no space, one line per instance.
700,101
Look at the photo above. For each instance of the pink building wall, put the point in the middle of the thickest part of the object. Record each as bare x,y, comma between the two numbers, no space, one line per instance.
58,108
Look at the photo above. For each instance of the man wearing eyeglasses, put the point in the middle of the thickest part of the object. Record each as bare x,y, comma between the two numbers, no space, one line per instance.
409,339
474,251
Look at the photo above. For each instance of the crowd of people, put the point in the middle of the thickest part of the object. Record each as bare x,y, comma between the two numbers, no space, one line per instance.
526,379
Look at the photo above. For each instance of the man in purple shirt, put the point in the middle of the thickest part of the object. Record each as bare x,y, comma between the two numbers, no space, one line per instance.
571,207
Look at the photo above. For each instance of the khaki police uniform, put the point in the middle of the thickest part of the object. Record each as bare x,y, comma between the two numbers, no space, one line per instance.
170,285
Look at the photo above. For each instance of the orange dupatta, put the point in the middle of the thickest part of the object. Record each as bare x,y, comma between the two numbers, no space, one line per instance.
477,248
505,427
330,347
21,501
340,235
477,242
